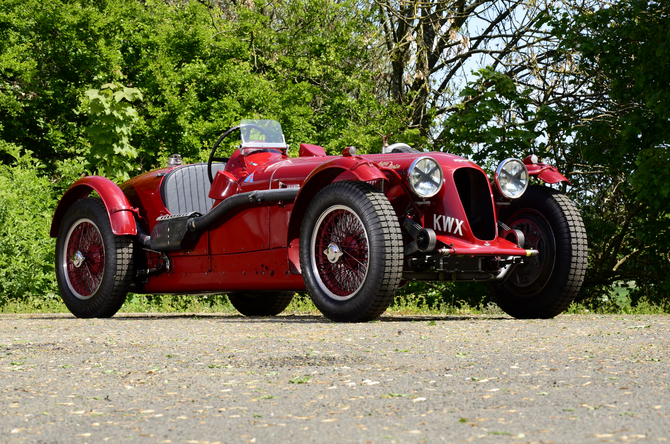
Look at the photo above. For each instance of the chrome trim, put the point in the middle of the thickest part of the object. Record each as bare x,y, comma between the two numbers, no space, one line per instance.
409,175
498,171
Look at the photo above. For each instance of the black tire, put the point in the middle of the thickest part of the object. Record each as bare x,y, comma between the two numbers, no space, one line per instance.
269,303
404,149
355,221
545,285
93,266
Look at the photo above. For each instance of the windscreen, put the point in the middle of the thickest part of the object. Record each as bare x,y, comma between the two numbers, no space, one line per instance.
262,133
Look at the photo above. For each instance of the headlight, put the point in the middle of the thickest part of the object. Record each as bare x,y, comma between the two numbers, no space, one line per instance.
425,177
512,178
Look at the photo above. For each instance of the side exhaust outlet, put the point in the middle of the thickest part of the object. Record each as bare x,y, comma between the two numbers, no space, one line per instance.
424,241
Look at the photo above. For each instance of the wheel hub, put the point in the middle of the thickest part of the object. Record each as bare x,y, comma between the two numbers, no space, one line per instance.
340,252
530,278
83,259
333,253
529,273
78,259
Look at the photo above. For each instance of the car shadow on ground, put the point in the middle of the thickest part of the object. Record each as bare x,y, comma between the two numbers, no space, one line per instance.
305,319
282,319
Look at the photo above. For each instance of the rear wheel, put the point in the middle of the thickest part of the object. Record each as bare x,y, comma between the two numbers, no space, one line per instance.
351,252
93,266
546,284
269,303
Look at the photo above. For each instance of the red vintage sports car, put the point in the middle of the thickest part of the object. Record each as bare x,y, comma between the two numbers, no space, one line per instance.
349,229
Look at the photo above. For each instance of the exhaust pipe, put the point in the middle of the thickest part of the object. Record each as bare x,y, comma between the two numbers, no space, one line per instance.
179,231
253,197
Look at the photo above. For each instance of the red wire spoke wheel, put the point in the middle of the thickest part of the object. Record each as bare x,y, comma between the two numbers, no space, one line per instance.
351,251
340,252
94,267
84,259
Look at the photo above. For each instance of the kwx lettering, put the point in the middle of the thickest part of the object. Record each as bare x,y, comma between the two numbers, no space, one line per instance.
448,224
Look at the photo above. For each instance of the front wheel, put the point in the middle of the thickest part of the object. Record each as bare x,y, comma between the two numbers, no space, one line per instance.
545,285
351,252
93,266
269,303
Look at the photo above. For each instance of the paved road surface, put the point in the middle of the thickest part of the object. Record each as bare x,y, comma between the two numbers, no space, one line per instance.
228,379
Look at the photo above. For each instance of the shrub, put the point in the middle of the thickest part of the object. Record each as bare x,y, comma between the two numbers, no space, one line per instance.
27,204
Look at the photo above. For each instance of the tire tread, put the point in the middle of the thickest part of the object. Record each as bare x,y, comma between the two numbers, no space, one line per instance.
383,223
113,290
568,275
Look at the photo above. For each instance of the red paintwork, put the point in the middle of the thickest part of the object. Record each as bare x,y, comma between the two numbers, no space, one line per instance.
499,247
256,248
243,230
223,187
544,172
547,173
255,271
144,193
311,175
119,209
307,150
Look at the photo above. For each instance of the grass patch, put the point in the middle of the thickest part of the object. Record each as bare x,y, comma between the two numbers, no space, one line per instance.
418,304
50,304
301,304
620,305
140,303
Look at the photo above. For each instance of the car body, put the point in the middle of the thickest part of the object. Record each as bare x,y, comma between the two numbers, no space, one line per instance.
349,229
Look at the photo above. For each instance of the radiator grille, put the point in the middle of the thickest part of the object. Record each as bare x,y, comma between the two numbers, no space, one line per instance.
475,193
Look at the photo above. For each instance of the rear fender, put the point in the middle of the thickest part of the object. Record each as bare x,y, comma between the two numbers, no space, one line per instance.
319,178
121,213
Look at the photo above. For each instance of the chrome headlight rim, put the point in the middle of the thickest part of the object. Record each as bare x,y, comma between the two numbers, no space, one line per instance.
525,181
413,186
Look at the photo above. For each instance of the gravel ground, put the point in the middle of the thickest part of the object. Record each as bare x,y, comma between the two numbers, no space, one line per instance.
228,379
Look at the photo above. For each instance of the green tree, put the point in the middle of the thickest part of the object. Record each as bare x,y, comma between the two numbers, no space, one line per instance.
111,117
26,251
201,68
495,120
51,53
622,110
625,50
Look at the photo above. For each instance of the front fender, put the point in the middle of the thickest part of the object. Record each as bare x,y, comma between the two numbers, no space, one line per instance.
120,212
363,169
353,168
546,173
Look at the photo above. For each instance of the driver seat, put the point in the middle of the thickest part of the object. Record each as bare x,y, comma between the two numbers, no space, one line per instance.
186,188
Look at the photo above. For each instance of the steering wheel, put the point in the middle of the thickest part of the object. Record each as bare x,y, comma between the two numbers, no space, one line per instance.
226,133
212,158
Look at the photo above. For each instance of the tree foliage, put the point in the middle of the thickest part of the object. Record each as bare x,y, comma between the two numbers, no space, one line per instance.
200,67
430,48
26,251
111,117
618,54
495,120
